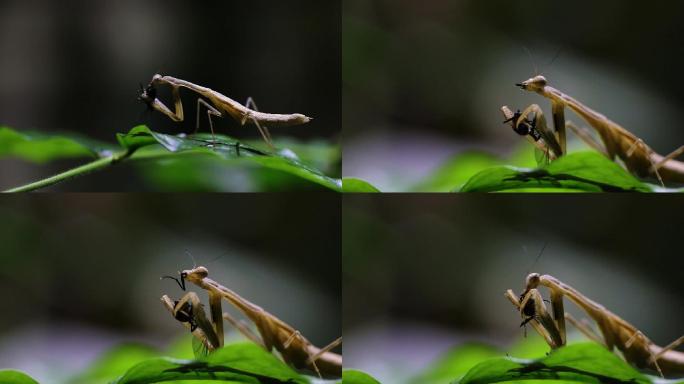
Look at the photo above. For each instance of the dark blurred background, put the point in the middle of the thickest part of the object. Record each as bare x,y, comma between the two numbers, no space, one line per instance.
75,65
423,81
80,272
424,274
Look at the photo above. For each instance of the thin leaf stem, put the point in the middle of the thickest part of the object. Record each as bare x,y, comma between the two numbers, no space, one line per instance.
78,171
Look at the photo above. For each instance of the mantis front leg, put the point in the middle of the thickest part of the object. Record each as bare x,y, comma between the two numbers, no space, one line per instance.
535,128
558,113
544,324
189,311
533,310
149,97
553,142
584,134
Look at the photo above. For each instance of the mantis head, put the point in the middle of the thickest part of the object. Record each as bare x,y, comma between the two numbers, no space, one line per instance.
194,275
532,281
148,95
534,84
302,119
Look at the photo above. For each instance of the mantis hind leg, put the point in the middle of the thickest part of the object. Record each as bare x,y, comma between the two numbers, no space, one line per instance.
669,347
262,129
243,329
326,349
585,135
296,335
586,330
639,143
676,153
646,344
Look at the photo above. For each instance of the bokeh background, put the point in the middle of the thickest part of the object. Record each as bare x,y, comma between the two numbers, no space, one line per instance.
80,272
424,81
422,275
75,66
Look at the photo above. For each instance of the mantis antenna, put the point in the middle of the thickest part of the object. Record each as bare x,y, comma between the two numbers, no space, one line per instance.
541,251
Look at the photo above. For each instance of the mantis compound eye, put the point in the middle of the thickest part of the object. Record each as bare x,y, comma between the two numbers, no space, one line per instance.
539,81
201,272
151,92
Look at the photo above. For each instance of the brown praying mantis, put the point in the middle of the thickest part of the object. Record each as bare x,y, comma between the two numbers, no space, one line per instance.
636,348
294,348
616,141
217,105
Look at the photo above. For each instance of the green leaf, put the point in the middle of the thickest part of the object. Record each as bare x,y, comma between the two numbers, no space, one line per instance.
236,363
353,185
318,153
226,148
114,363
351,376
581,171
455,363
579,363
138,137
41,148
10,376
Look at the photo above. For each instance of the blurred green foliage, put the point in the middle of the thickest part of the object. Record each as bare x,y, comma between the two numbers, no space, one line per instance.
9,376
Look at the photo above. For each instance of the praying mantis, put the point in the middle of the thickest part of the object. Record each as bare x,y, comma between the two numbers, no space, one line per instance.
218,105
274,333
616,141
636,348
